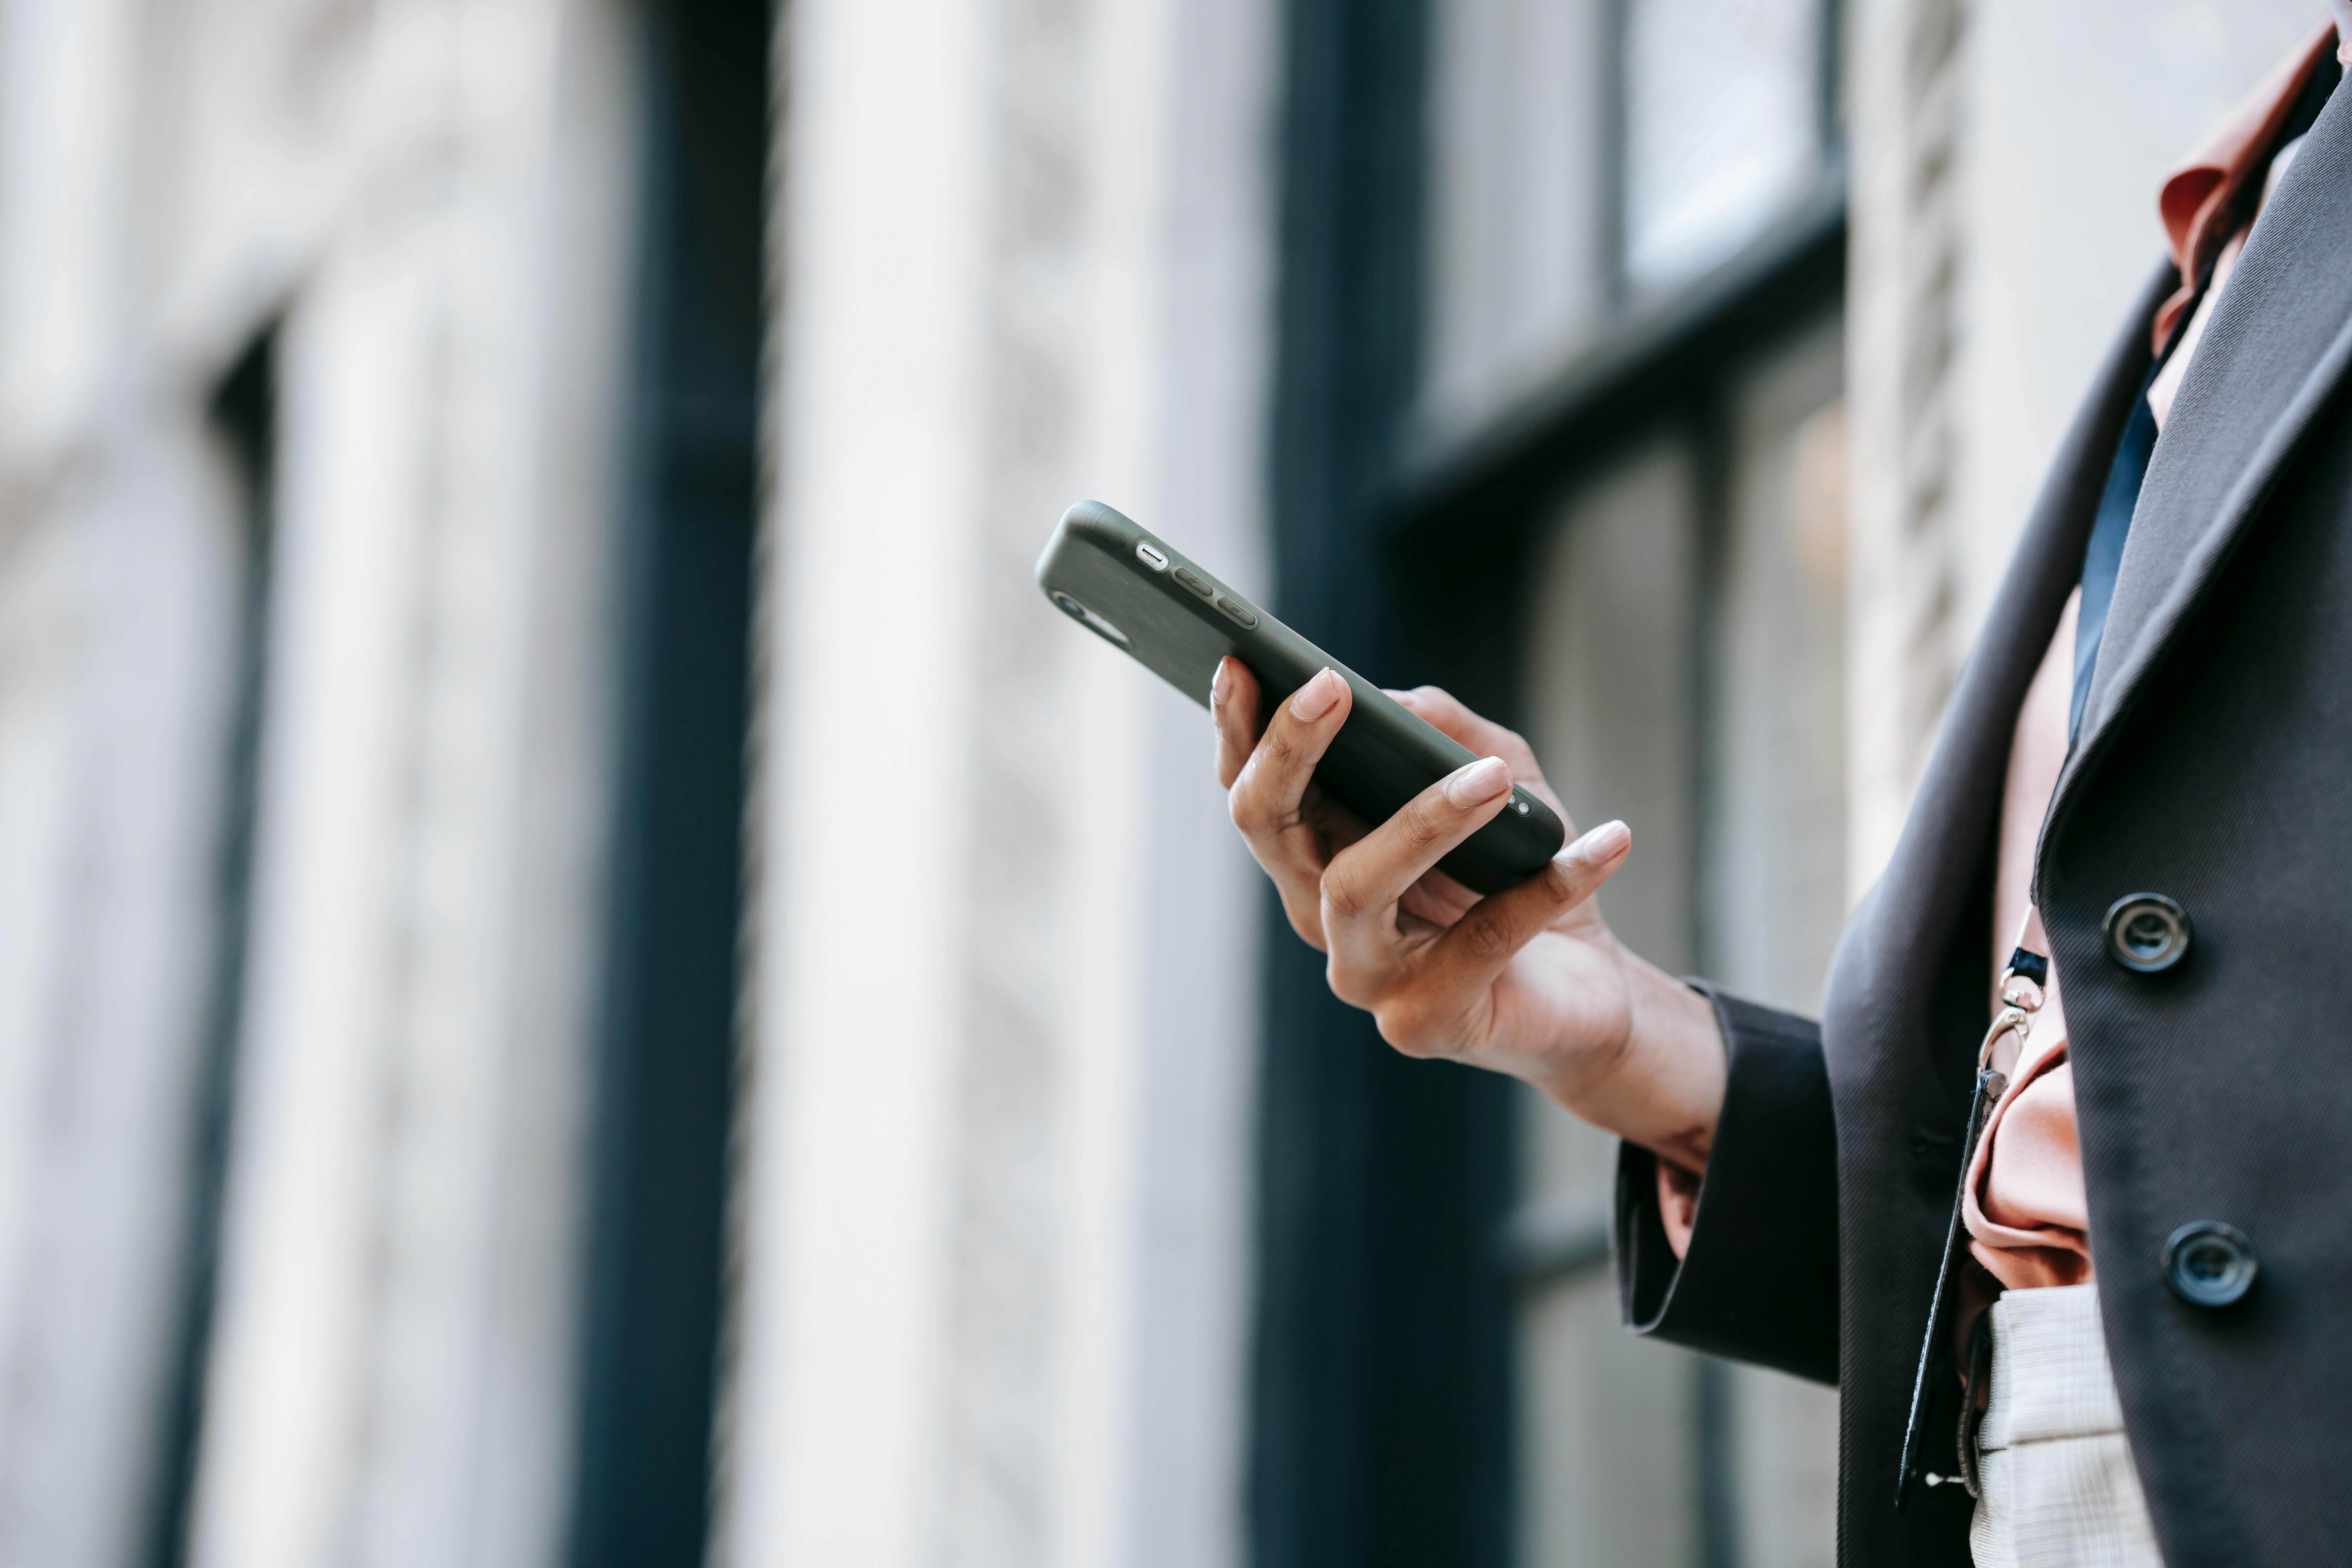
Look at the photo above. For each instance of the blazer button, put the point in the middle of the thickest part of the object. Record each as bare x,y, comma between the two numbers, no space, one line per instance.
2209,1264
2147,932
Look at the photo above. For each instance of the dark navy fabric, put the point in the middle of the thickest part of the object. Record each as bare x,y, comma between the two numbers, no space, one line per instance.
2105,555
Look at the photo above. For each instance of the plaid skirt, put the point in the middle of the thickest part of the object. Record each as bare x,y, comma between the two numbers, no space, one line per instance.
2053,1470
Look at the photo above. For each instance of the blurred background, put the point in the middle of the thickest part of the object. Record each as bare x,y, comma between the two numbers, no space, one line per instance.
589,976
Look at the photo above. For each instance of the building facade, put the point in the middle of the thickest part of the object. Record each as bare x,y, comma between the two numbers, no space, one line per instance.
587,973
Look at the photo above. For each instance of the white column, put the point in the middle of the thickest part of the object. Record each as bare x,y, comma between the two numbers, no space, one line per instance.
996,1207
116,587
393,1360
113,635
862,917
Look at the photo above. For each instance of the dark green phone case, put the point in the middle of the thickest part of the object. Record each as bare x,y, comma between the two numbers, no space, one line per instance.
1135,590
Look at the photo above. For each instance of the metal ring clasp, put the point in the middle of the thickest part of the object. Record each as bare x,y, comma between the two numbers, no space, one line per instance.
2021,997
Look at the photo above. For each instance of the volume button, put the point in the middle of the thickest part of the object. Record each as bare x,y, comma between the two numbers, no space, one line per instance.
1235,613
1185,576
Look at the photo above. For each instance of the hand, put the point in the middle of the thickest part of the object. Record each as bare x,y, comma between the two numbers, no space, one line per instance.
1528,981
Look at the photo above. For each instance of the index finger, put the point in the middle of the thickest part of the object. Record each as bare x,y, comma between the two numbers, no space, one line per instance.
1370,876
1480,945
1232,705
1455,719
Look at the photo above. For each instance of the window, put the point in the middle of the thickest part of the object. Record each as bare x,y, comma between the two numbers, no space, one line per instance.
1686,672
1724,127
1560,426
1518,270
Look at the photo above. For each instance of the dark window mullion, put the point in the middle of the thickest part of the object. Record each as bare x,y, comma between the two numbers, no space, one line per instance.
244,422
666,1088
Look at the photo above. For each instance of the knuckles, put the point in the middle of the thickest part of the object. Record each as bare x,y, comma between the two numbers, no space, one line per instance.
1412,1019
1343,896
1414,1029
1303,921
1487,938
1420,825
1351,982
1251,805
1242,804
1346,885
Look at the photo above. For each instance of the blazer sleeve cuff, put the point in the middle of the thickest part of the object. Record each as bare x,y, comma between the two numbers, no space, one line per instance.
1760,1280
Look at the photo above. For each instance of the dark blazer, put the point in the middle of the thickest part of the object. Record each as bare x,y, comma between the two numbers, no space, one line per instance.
2214,767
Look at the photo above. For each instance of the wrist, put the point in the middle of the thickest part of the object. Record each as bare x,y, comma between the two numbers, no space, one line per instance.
1662,1085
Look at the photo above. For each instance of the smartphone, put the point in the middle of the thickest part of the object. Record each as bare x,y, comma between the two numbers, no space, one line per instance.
1138,593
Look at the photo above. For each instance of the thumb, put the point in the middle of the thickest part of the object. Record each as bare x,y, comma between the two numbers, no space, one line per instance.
1483,942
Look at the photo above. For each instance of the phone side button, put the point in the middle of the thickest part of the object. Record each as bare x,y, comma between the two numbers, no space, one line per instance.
1235,613
1193,582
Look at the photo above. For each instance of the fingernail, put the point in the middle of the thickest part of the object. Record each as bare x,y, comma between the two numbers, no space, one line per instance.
1479,782
1315,697
1221,683
1604,843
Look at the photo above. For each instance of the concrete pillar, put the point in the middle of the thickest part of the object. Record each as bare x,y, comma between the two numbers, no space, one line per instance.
996,1203
393,1364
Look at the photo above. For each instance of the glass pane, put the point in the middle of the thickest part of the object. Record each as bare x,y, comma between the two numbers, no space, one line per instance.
1610,1439
1776,880
1723,126
1515,265
1611,683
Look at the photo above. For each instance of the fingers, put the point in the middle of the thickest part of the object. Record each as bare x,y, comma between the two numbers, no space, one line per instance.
1477,948
1269,790
1446,713
1361,885
1232,708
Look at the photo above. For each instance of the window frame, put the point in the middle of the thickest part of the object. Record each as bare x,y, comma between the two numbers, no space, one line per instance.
1383,1407
659,1143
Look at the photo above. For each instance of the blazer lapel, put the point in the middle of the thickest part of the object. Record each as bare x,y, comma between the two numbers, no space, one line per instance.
1947,836
2278,345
